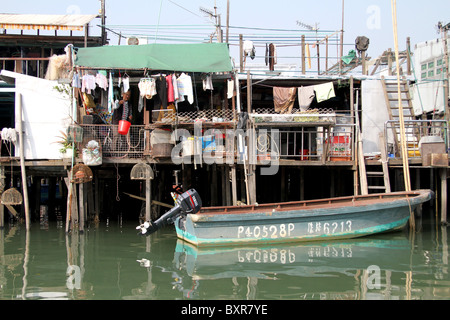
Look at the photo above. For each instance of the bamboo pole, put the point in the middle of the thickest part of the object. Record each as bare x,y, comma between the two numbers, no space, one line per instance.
22,164
402,120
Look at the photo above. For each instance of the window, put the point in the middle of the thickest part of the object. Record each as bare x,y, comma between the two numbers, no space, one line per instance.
432,68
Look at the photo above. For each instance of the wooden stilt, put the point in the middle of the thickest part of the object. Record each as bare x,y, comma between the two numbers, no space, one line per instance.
443,174
148,199
82,206
2,207
22,163
234,185
302,183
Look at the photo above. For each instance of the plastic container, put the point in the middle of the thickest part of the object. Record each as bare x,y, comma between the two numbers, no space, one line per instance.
124,126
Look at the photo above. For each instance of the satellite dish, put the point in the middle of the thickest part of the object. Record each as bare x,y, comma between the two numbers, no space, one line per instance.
133,41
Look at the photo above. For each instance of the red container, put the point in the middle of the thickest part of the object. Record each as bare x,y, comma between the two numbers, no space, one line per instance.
124,126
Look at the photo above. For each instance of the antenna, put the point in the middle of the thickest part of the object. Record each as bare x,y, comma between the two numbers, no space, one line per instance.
307,26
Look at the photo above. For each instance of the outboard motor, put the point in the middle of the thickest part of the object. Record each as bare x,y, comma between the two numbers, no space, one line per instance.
186,203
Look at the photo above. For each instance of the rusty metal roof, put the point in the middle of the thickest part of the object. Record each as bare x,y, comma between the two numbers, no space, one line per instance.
75,22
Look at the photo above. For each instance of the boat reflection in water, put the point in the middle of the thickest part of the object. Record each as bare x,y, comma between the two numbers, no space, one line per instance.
377,267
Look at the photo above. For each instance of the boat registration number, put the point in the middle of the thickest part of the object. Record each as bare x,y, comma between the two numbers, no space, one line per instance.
271,231
329,227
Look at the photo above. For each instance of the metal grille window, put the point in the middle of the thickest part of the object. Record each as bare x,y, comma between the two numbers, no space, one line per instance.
115,145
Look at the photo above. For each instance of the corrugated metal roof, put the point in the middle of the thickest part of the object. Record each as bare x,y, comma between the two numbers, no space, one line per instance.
75,22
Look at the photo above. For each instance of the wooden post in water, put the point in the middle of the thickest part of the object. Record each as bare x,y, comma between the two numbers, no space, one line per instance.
82,205
2,207
22,163
443,174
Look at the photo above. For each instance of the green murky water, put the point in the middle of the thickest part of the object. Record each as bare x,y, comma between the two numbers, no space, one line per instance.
112,262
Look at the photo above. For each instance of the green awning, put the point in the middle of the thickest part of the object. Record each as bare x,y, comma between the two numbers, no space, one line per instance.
204,57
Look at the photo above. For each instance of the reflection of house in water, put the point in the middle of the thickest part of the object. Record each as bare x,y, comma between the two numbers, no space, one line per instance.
327,130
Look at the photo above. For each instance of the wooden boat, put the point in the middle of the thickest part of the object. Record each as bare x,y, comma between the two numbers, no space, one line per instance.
336,218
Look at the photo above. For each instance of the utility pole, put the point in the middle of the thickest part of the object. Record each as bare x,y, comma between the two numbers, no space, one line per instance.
103,16
342,39
444,33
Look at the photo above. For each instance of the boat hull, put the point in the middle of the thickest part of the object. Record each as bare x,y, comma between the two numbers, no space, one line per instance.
339,218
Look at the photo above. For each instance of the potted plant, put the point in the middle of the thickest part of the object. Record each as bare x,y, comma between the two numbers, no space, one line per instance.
67,150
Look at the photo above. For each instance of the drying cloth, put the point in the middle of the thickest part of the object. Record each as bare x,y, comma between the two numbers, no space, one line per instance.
88,83
283,99
147,87
102,81
126,84
170,92
185,87
305,97
324,91
76,81
110,94
272,56
176,95
207,83
230,89
160,100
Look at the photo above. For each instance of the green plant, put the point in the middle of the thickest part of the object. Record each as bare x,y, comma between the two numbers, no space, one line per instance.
66,143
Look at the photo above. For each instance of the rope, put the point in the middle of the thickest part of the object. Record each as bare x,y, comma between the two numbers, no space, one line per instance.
116,165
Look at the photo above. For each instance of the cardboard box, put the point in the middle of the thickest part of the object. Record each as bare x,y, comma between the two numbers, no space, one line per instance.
439,160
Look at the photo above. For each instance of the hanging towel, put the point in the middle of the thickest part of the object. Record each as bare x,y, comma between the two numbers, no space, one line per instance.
110,94
230,89
324,91
126,84
283,99
305,97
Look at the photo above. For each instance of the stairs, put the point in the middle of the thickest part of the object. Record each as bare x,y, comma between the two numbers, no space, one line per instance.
391,97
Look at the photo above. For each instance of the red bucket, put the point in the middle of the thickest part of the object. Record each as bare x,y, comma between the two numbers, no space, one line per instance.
124,126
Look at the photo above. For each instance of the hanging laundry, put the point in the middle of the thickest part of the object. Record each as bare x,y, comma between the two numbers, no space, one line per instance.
147,87
207,83
185,87
176,94
110,94
88,83
170,93
160,100
284,99
126,84
76,81
101,80
249,49
230,89
272,56
141,103
324,91
305,97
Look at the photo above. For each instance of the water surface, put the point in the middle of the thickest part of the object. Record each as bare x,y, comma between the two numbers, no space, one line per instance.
110,261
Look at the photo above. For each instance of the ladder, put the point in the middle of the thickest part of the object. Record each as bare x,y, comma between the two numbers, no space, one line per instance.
370,180
374,177
390,88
